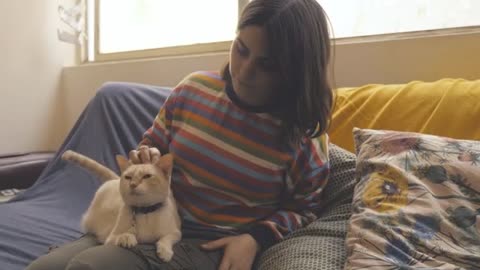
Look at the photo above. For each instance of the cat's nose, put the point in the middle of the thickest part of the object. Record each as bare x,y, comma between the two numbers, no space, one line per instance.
133,186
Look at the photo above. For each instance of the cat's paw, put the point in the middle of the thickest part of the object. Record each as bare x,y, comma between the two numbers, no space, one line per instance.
110,240
164,251
126,240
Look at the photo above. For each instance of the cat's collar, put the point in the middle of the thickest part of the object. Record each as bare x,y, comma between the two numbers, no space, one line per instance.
146,209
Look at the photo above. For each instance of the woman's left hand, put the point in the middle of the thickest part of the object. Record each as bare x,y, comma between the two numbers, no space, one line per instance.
238,251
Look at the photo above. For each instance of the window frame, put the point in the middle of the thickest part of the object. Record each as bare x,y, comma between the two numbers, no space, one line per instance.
202,48
224,46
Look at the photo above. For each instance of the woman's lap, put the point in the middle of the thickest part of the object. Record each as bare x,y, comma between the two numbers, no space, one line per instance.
58,258
85,253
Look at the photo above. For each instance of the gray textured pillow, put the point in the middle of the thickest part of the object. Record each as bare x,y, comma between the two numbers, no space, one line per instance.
320,245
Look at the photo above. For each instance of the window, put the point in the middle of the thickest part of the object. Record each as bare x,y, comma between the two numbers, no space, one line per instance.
352,18
178,26
143,28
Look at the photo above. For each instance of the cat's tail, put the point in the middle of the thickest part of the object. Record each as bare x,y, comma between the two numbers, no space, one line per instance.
91,165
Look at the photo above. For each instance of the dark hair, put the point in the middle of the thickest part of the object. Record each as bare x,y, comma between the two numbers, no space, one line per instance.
299,44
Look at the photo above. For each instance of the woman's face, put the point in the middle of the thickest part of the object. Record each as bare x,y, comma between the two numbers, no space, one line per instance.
254,75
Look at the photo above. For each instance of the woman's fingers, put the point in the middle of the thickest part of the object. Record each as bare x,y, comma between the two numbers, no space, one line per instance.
154,154
134,157
225,264
216,244
144,155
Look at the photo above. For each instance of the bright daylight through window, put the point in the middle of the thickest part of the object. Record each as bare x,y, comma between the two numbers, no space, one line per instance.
351,18
132,25
146,24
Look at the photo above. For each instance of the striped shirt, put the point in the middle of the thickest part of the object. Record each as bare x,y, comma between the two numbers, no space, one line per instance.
231,171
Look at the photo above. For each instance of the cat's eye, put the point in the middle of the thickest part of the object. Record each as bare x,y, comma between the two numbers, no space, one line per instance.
146,176
128,177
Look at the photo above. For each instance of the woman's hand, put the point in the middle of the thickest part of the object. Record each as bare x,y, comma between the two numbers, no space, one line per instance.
238,251
144,155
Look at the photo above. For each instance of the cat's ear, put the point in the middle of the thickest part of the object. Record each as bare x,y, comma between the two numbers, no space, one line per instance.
122,162
165,163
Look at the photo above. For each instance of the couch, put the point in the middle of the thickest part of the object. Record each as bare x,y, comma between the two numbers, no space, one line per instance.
48,212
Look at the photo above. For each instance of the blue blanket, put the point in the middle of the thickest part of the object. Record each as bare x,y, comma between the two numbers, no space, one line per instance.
49,212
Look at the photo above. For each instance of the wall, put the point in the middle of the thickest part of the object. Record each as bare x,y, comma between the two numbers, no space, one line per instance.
406,59
81,82
40,105
356,63
30,76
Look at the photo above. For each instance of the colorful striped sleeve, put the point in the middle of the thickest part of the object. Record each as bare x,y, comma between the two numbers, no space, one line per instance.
306,180
159,134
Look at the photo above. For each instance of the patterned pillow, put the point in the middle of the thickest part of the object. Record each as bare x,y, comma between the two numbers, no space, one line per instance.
417,202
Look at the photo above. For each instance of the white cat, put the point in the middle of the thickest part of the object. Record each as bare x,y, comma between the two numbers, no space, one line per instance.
137,207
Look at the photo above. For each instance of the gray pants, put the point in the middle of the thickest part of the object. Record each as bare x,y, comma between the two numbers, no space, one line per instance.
86,254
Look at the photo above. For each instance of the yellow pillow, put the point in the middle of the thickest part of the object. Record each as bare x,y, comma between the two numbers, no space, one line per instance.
448,107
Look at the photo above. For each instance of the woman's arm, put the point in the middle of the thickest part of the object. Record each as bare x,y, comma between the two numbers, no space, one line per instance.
306,180
157,138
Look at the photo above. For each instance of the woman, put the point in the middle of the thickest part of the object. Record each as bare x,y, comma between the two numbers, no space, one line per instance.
249,168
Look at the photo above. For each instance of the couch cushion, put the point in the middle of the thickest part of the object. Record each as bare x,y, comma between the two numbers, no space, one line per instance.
416,204
321,244
448,107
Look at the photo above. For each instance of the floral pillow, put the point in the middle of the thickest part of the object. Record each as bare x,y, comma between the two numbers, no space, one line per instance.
417,202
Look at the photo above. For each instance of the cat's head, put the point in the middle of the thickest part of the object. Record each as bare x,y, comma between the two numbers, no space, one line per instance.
145,184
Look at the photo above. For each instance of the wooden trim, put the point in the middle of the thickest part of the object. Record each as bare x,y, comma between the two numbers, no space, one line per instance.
83,49
96,31
166,51
409,35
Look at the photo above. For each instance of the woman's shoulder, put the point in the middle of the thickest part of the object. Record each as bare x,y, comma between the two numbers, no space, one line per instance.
204,79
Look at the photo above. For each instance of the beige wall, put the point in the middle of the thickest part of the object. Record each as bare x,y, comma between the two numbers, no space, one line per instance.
40,103
30,76
81,82
358,63
406,59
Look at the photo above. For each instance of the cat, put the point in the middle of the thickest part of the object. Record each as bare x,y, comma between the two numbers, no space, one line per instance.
136,207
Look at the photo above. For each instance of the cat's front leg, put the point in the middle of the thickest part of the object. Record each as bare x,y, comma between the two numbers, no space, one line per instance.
165,245
126,240
123,233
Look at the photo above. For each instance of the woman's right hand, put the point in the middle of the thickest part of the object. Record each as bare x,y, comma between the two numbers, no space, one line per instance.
144,154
